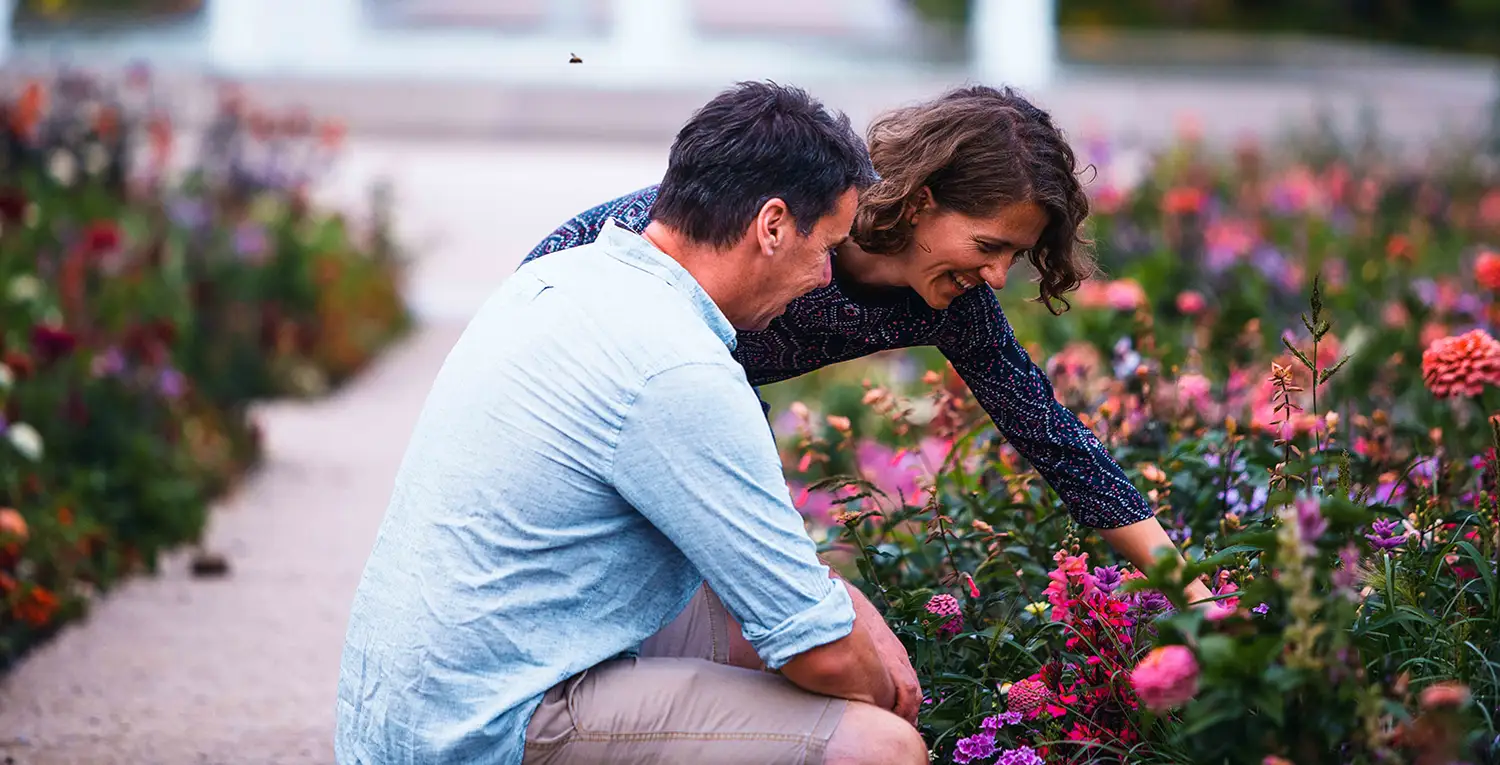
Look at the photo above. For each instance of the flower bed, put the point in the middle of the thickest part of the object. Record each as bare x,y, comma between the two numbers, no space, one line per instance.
1290,356
141,315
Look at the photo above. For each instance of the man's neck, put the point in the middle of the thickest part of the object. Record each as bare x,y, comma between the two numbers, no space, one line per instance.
714,270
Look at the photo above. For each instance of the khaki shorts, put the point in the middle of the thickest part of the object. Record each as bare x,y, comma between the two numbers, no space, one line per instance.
680,702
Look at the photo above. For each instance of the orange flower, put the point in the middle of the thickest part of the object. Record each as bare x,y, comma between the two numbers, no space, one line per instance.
1462,365
1183,200
37,607
1487,270
1400,247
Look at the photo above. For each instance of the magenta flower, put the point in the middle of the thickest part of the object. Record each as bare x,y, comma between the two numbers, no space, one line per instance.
980,746
1021,755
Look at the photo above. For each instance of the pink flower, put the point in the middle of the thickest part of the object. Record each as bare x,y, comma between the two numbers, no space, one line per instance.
1191,303
902,474
946,606
1193,391
817,507
1124,295
1027,696
1166,678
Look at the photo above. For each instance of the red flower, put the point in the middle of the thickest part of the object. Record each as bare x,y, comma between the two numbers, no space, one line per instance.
52,343
1487,270
36,607
12,205
1461,366
100,237
1183,200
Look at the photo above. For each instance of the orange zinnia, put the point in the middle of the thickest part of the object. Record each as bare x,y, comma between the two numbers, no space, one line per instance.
1461,365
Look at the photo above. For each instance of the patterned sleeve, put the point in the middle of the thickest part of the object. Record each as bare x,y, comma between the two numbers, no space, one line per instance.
632,211
1016,393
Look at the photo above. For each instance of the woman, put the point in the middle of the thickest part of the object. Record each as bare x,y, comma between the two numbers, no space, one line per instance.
971,182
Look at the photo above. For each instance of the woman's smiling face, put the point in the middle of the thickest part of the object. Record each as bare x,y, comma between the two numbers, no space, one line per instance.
952,253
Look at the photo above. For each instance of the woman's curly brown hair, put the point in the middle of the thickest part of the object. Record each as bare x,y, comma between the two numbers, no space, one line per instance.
979,149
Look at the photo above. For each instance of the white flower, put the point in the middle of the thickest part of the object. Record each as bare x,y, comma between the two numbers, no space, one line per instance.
63,167
95,159
7,378
26,441
25,288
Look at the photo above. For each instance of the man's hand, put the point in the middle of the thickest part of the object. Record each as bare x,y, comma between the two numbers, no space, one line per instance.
892,654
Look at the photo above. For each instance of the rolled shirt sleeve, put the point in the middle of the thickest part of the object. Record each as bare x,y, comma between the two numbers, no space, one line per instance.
695,459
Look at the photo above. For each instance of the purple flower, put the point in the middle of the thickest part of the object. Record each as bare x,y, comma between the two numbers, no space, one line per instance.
191,214
1261,609
996,722
171,384
1346,576
1021,755
1310,522
109,363
1385,536
1151,601
979,746
1107,578
250,241
1426,291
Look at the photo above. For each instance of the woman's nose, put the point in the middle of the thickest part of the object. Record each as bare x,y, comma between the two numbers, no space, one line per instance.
993,276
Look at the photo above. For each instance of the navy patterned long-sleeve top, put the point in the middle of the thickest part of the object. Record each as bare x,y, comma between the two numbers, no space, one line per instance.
840,322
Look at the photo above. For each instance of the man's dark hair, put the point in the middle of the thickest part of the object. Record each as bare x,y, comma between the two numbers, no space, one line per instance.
754,142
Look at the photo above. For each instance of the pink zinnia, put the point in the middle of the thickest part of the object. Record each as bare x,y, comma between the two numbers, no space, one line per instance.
1027,696
1166,678
946,606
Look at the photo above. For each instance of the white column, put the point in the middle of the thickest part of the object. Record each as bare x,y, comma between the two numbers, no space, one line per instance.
260,36
7,9
651,35
240,35
1013,42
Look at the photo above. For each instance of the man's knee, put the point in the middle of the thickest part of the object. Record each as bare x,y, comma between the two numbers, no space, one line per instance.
868,735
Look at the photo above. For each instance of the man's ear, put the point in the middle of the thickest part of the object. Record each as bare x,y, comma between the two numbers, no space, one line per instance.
773,226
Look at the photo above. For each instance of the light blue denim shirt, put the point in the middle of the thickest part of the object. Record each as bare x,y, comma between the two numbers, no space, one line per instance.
589,454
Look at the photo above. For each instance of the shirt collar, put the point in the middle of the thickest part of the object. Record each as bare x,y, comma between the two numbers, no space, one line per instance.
633,249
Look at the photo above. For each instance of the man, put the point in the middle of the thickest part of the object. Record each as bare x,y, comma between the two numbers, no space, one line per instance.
591,464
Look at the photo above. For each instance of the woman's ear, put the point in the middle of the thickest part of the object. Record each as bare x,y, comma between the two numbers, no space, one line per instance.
921,204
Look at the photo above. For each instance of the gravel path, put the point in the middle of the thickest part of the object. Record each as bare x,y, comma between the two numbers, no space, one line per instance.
242,669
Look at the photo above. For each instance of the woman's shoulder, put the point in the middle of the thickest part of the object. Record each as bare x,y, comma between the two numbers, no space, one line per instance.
631,211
